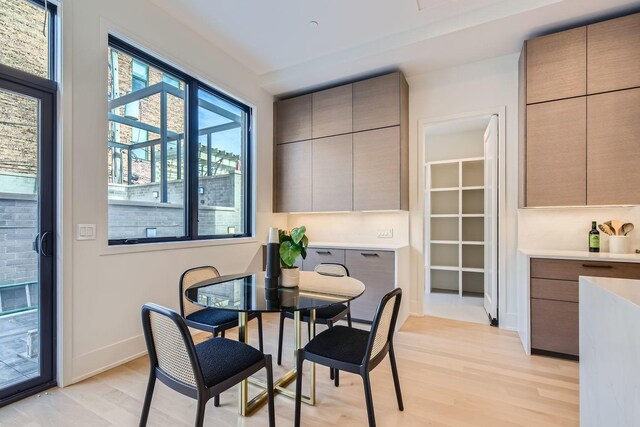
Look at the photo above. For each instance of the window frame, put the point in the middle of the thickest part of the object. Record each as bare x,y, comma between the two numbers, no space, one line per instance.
191,206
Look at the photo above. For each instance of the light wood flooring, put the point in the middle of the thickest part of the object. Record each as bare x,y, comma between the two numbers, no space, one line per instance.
452,373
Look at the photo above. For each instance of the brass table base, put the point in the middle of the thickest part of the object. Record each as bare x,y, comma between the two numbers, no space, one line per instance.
247,406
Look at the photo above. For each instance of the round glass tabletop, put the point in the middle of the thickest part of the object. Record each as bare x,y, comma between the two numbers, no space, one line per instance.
247,292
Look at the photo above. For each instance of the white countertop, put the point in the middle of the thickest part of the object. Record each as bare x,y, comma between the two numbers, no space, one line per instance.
581,255
363,246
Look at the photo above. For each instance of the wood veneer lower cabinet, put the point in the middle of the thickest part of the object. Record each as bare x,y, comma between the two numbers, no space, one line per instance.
376,269
376,170
294,177
317,256
556,66
555,299
613,148
613,56
556,171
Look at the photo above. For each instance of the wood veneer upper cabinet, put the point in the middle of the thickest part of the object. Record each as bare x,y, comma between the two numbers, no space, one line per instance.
613,148
376,169
556,147
377,102
332,173
332,111
613,54
557,66
293,119
293,177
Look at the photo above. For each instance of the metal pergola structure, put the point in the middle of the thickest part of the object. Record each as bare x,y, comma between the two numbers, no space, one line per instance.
167,136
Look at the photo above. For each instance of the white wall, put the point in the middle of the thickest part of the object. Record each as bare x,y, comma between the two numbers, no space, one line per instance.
471,88
455,145
103,288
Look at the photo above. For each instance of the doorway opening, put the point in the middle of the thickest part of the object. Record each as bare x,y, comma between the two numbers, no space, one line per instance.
461,218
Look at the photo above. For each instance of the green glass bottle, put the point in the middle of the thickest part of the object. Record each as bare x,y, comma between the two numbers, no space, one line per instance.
594,238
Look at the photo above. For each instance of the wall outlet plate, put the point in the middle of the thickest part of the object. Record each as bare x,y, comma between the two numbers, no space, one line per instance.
386,233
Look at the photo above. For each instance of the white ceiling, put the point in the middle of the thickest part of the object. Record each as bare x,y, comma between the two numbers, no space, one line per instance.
355,38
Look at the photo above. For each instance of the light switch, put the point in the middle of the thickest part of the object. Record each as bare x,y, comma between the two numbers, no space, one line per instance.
86,232
386,233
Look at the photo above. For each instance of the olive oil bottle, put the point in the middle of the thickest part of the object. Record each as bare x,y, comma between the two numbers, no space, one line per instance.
594,238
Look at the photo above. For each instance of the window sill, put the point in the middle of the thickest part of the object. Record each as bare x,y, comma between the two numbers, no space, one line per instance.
172,246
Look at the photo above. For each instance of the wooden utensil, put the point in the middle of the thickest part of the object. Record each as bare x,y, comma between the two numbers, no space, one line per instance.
627,228
606,229
616,225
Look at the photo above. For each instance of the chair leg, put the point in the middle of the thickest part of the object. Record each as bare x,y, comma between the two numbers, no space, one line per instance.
260,332
147,399
216,400
298,403
396,379
331,370
280,333
349,319
202,404
222,333
336,377
369,399
309,330
270,392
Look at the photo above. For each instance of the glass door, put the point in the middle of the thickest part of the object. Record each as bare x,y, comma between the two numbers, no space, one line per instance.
27,234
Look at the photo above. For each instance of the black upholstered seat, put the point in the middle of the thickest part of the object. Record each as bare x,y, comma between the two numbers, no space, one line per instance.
341,343
221,359
355,351
324,316
200,371
325,313
211,316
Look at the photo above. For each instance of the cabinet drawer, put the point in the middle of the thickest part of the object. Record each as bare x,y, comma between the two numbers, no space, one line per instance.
554,326
376,269
317,256
559,290
571,269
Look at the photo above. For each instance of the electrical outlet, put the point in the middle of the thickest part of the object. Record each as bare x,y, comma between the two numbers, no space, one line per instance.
386,233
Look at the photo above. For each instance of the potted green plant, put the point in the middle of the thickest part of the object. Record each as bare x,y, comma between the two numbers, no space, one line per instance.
292,245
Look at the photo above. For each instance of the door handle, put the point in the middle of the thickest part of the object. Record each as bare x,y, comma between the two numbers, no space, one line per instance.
36,244
43,250
323,252
596,266
368,254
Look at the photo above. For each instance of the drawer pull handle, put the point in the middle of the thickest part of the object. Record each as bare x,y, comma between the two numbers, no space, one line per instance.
323,252
368,254
596,266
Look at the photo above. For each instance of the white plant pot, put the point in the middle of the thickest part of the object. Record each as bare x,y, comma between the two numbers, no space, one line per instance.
289,277
618,244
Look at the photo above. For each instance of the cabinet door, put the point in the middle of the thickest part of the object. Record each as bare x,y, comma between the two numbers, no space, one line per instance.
613,54
557,66
613,148
376,169
332,173
332,111
376,269
293,119
556,147
317,256
376,102
554,326
293,177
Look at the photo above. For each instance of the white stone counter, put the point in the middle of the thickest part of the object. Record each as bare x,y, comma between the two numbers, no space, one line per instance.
609,352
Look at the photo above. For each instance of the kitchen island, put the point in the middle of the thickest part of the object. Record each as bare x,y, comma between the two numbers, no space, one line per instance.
609,352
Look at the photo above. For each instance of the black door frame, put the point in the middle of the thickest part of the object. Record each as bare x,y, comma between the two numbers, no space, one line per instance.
45,90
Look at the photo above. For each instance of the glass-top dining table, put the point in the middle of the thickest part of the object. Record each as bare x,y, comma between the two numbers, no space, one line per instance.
246,293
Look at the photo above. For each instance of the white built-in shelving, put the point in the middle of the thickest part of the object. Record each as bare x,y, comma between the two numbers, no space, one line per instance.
454,195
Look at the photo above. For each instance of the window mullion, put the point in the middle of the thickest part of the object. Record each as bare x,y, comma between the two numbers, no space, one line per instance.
191,166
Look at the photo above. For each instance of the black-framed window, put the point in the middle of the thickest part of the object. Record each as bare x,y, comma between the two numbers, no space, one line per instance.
178,154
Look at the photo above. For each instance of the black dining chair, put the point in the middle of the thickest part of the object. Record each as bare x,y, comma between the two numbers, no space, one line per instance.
200,371
209,319
356,351
324,316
